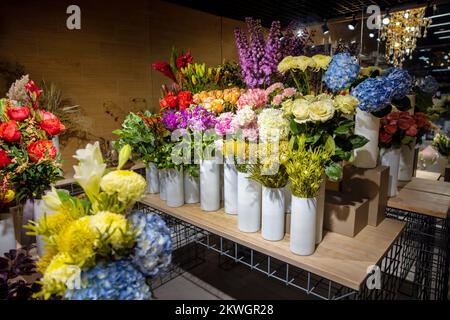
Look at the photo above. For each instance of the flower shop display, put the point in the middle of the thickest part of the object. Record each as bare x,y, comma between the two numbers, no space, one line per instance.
30,160
441,143
95,248
305,167
375,95
144,132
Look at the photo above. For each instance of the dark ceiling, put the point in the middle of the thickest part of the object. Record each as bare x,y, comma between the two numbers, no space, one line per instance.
304,11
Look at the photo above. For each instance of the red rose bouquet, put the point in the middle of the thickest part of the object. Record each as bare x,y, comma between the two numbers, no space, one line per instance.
400,127
28,159
181,101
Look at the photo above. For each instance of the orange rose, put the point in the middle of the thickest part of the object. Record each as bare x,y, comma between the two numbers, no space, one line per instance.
41,149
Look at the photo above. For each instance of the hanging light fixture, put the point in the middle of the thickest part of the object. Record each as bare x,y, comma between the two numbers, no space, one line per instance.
401,33
325,28
352,25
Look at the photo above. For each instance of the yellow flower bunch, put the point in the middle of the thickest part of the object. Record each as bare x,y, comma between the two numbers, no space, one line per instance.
302,63
305,167
128,186
217,100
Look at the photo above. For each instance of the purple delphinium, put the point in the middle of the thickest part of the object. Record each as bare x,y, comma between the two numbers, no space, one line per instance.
259,59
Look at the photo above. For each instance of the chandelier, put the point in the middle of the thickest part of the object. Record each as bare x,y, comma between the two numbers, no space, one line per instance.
401,33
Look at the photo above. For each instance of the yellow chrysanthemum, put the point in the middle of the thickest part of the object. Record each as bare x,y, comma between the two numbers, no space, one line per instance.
303,62
322,61
114,224
61,273
53,224
78,240
285,64
44,261
128,185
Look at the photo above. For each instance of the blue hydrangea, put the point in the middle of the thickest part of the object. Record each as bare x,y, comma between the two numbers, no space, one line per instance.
118,280
429,85
400,82
153,251
342,71
373,94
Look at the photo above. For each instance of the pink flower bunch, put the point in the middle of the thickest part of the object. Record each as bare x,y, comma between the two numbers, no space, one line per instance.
225,124
254,98
276,94
246,122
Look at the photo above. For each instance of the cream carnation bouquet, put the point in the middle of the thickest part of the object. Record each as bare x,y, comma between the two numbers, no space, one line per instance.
95,246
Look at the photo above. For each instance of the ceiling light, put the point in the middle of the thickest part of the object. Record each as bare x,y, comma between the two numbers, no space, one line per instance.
439,24
441,31
446,37
325,28
352,25
371,35
300,32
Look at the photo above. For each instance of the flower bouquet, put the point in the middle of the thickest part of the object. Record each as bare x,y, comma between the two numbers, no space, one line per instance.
145,133
95,248
29,160
441,143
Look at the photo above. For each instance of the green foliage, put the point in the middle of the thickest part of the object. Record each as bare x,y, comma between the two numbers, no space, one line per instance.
277,180
305,167
231,76
139,135
442,144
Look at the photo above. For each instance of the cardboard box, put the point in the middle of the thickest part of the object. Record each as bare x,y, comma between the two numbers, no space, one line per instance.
345,214
371,184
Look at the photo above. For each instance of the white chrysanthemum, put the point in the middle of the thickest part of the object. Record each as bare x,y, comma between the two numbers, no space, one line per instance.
245,116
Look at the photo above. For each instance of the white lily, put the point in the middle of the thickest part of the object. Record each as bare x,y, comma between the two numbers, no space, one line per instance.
90,170
51,200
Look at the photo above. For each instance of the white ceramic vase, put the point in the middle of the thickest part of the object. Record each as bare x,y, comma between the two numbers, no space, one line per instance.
248,204
7,235
391,158
230,180
303,225
162,184
287,197
442,162
209,185
191,188
320,211
406,166
152,177
39,212
273,213
175,187
367,126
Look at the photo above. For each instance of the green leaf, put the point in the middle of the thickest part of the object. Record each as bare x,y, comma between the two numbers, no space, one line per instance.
358,141
342,154
330,145
294,127
334,171
344,128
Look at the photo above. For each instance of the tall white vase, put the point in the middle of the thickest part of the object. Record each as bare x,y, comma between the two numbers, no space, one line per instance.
230,180
303,225
273,213
320,211
175,187
55,141
367,126
152,177
288,197
39,212
191,188
406,169
391,158
249,203
162,173
442,163
7,235
209,185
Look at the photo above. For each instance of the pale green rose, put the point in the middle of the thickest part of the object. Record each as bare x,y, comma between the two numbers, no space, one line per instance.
346,104
300,110
322,110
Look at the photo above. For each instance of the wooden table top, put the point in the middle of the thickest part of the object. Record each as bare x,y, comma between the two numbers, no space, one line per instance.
431,186
427,203
341,259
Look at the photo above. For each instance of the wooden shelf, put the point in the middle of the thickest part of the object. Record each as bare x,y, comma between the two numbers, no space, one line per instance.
430,186
341,259
432,204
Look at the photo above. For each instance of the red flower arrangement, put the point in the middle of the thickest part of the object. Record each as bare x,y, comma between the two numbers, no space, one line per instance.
28,158
400,127
181,101
177,61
